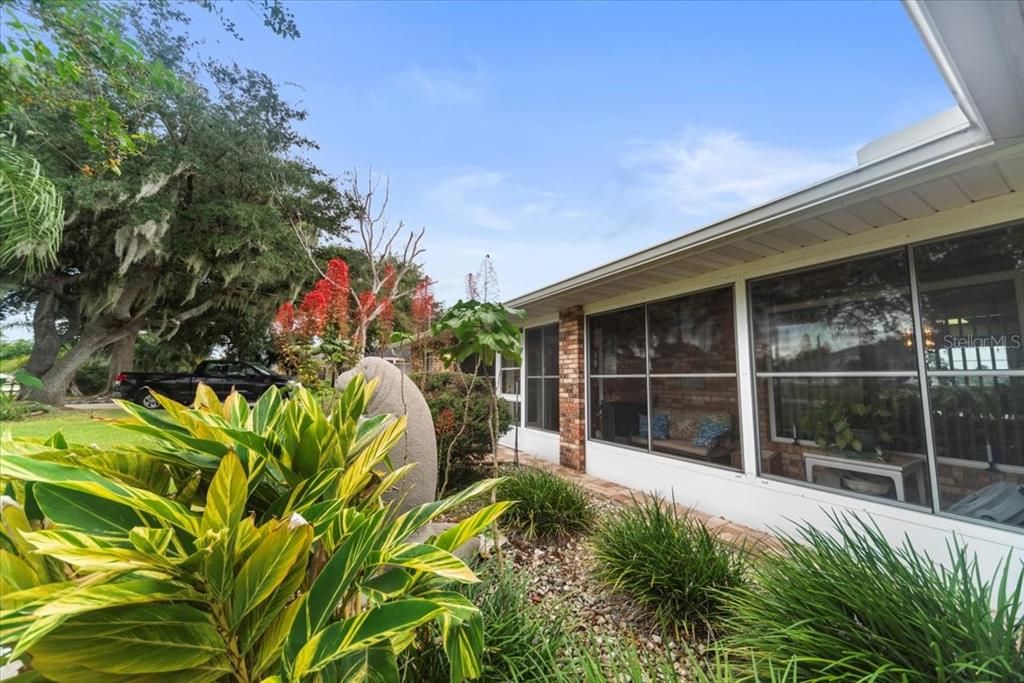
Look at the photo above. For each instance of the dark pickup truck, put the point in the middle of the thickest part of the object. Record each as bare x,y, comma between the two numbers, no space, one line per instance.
250,379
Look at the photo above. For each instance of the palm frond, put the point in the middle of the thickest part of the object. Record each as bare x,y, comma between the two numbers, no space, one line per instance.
31,212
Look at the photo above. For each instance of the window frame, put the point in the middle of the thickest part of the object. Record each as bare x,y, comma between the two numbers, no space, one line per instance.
500,368
545,376
729,287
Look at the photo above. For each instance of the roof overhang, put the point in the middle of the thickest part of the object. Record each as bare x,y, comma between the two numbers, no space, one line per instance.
950,160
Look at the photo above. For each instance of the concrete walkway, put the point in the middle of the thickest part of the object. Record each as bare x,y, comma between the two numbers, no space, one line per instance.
97,405
734,534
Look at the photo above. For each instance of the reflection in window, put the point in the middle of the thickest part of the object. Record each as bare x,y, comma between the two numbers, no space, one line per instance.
691,343
848,317
617,343
542,377
694,399
693,334
972,292
859,434
513,411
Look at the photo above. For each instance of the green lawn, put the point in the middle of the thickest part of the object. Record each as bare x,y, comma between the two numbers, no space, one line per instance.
79,426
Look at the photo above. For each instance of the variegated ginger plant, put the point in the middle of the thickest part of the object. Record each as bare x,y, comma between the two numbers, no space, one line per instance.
265,553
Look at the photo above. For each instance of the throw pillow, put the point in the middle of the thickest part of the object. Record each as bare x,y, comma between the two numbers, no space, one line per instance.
659,430
709,433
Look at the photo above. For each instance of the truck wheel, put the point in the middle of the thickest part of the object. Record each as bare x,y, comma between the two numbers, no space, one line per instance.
146,399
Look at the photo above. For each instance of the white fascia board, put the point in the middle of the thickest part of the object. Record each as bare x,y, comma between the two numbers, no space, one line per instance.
979,50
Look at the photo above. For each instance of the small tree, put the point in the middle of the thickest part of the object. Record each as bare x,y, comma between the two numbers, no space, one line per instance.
334,321
481,330
388,265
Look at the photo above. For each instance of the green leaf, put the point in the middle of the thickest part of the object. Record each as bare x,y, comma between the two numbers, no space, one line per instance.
451,538
89,553
335,581
226,498
135,641
92,597
421,514
151,541
464,646
15,573
85,512
268,566
27,379
85,481
377,664
361,631
427,558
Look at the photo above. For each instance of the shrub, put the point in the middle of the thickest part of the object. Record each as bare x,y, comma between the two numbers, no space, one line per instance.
524,640
668,563
91,378
12,363
12,409
262,550
849,606
461,425
547,506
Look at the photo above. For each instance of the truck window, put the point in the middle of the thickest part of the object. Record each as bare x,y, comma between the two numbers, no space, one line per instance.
215,369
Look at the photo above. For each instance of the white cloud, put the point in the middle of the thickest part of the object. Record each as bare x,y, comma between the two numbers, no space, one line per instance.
489,200
722,171
445,86
645,192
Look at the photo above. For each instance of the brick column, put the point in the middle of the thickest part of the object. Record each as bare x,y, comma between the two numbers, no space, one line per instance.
571,389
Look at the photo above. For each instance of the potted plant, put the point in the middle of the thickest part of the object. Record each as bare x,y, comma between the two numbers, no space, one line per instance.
851,428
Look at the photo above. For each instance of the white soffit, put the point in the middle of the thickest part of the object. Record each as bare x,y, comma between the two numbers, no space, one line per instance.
967,154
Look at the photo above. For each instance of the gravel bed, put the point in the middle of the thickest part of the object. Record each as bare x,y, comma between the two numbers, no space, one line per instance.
560,573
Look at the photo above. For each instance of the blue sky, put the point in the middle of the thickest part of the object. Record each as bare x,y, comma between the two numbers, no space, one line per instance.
560,136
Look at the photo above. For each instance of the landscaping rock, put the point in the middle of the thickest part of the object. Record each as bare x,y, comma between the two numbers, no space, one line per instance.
397,395
560,572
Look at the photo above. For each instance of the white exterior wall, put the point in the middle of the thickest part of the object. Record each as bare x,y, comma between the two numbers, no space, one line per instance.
748,499
535,442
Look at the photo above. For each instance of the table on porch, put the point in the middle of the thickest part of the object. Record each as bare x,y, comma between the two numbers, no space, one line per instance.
897,467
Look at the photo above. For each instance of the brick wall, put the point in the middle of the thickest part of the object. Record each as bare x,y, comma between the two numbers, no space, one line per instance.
571,392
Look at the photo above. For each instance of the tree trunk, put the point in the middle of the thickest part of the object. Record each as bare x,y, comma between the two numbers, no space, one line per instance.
57,379
47,339
122,357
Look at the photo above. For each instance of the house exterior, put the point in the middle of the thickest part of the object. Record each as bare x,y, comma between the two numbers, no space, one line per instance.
857,345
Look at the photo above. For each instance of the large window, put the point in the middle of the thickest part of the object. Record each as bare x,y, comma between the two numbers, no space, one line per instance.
864,389
542,377
838,389
663,378
971,292
618,377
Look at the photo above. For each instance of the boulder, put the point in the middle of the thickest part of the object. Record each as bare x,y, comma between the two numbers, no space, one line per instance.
397,395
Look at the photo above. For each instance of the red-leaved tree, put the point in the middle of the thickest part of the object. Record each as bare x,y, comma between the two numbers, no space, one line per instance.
340,312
